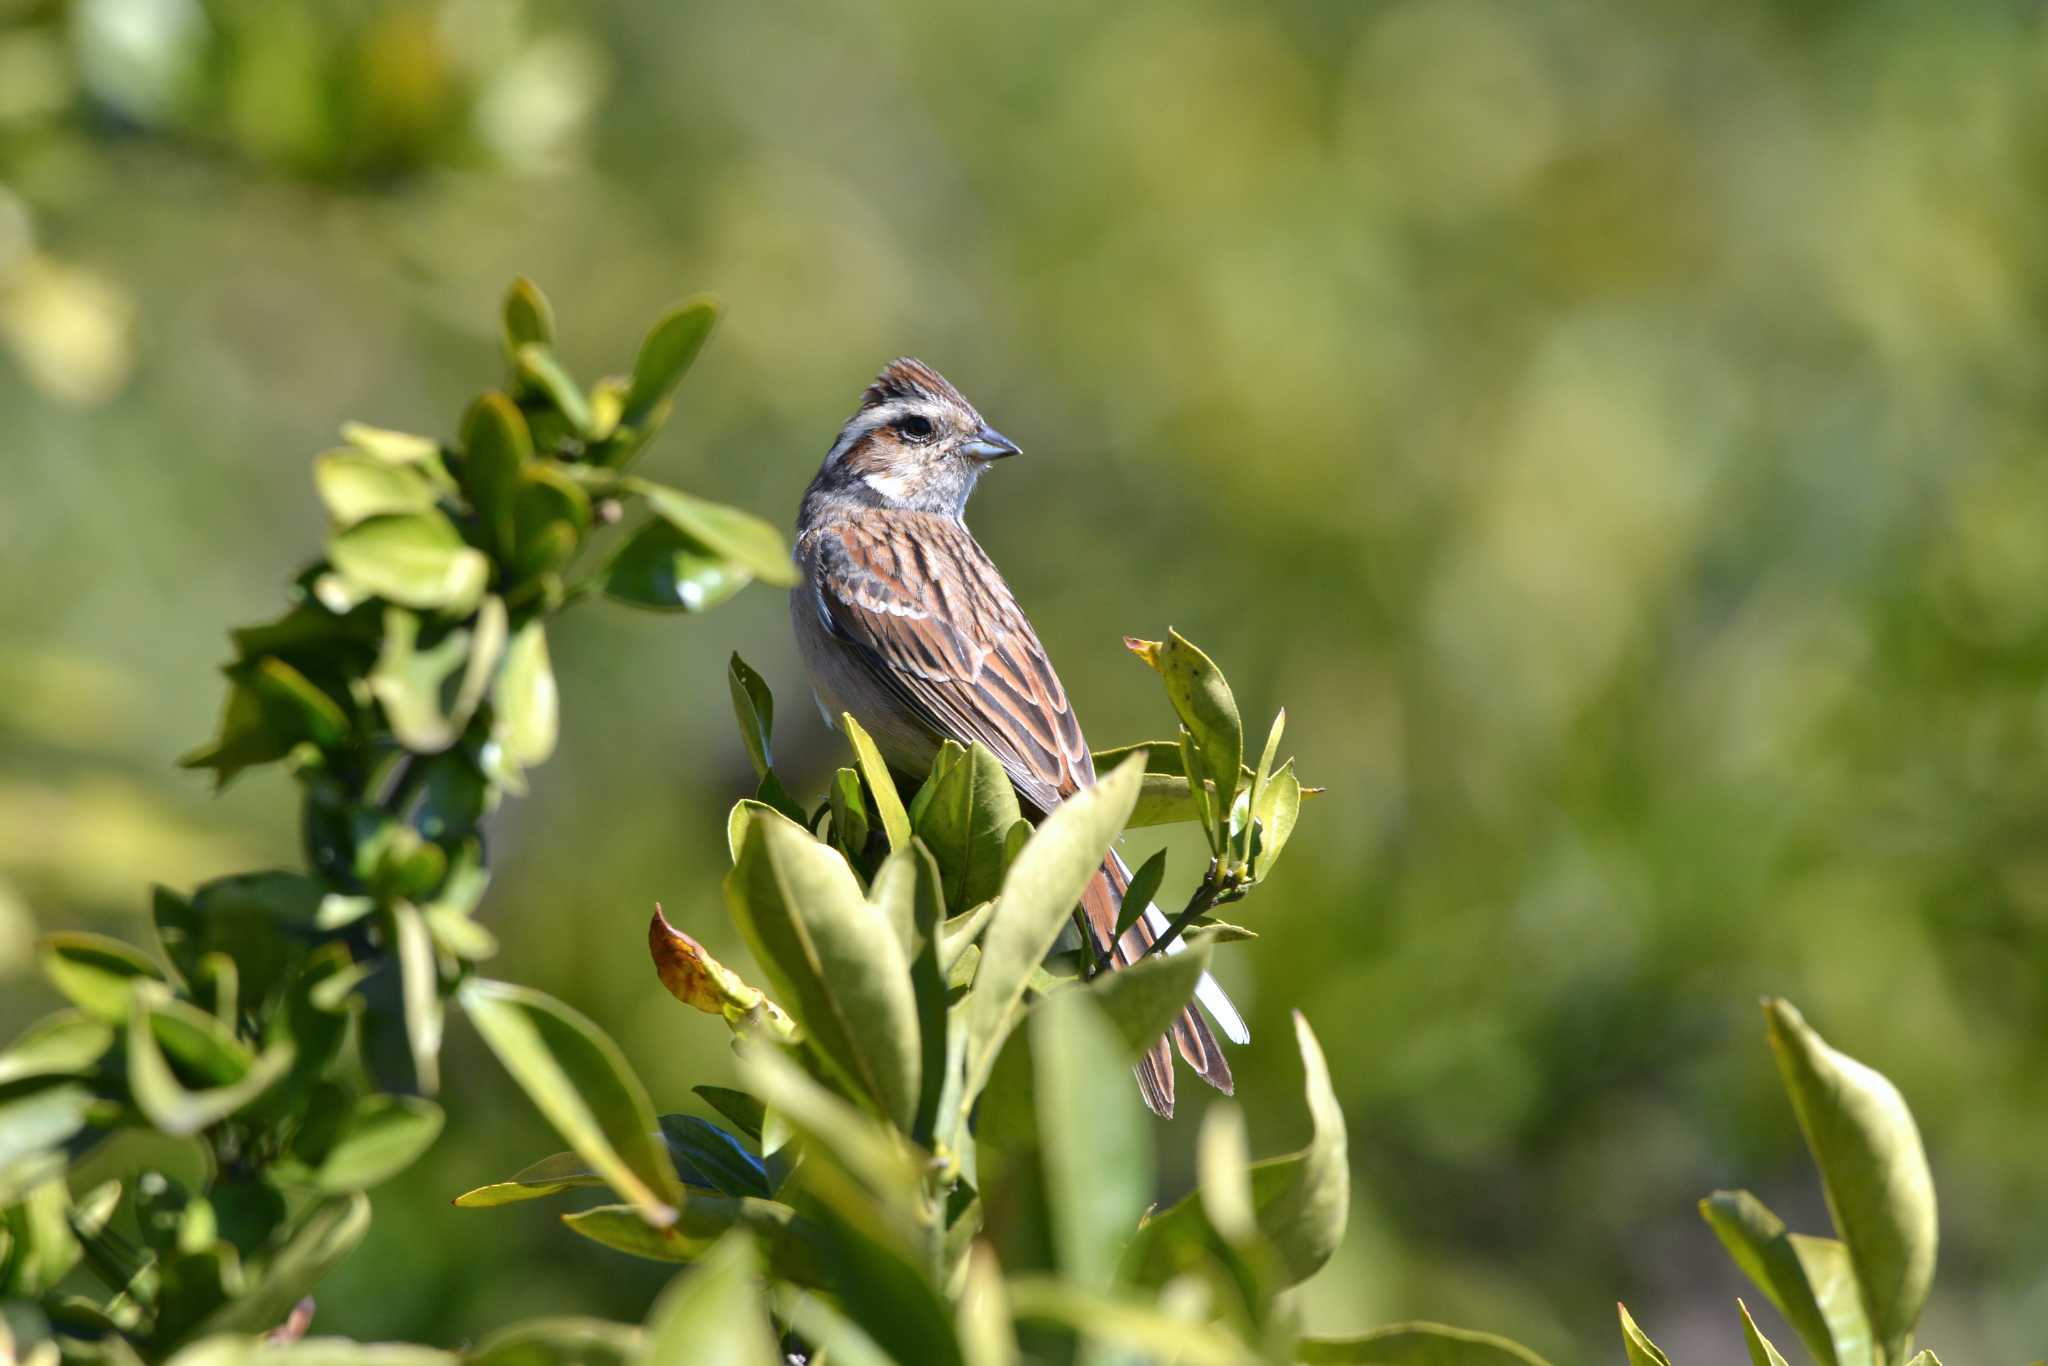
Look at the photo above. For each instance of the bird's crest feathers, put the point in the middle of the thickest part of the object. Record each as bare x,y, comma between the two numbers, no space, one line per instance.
908,377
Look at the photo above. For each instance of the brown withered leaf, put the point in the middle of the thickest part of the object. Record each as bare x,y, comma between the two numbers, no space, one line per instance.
700,981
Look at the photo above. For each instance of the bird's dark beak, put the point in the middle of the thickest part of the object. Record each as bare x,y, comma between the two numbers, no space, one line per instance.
989,444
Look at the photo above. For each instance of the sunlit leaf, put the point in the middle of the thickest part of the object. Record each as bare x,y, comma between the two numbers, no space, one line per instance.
64,1043
1203,701
703,983
1140,1327
414,559
527,316
1760,1245
525,708
549,1176
559,1341
964,822
1416,1344
95,972
356,485
1873,1169
832,961
382,1137
1761,1352
670,346
578,1079
752,544
670,570
1641,1351
1040,891
888,802
541,371
713,1313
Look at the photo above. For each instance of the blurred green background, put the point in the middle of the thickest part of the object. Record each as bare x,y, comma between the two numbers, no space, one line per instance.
1614,432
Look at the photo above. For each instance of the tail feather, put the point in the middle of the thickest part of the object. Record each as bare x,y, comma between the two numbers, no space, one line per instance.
1190,1033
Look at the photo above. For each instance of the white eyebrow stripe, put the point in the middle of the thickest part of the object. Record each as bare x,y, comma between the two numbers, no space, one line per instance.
881,415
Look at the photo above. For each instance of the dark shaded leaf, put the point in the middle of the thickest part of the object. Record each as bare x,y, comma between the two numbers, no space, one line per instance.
670,570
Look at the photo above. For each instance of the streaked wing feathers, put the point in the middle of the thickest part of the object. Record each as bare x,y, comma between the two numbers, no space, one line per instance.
927,612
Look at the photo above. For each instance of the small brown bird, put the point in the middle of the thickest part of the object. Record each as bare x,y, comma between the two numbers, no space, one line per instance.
906,624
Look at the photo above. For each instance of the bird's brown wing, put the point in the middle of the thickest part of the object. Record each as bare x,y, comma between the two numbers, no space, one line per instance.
926,612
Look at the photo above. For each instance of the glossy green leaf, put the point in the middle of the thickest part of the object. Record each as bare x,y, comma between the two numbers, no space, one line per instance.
549,1176
666,354
749,542
670,570
1038,894
564,1340
720,1160
881,1174
1277,809
833,962
496,448
1144,886
1203,701
578,1079
881,785
94,972
383,1136
1761,1352
414,559
356,485
849,812
753,706
550,514
713,1314
394,448
743,1110
790,1242
1417,1344
1873,1169
964,822
1767,1253
525,709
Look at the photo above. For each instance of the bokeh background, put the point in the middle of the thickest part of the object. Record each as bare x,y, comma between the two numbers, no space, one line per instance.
1615,432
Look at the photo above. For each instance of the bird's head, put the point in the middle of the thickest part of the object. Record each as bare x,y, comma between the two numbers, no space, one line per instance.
916,443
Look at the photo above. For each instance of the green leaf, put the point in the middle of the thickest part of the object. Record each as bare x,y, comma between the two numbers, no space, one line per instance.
1641,1351
393,448
325,1236
550,514
383,1136
66,1043
717,1157
752,544
1144,999
703,1220
414,559
356,485
753,706
528,317
96,973
882,1174
540,371
737,1106
671,345
832,960
1417,1344
888,802
419,977
1144,886
1873,1169
549,1176
849,813
525,709
1304,1198
964,822
1093,1147
1040,891
410,683
1759,1244
988,1337
1277,809
838,1339
34,1126
564,1340
713,1313
703,983
1761,1353
578,1079
1203,701
670,570
1139,1327
206,1048
496,449
1926,1357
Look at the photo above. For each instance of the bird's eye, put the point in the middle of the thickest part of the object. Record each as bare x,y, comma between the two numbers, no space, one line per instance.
915,427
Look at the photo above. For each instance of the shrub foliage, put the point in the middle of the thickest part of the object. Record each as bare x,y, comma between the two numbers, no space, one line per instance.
936,1154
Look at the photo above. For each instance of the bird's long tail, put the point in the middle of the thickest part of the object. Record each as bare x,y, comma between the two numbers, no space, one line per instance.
1190,1033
